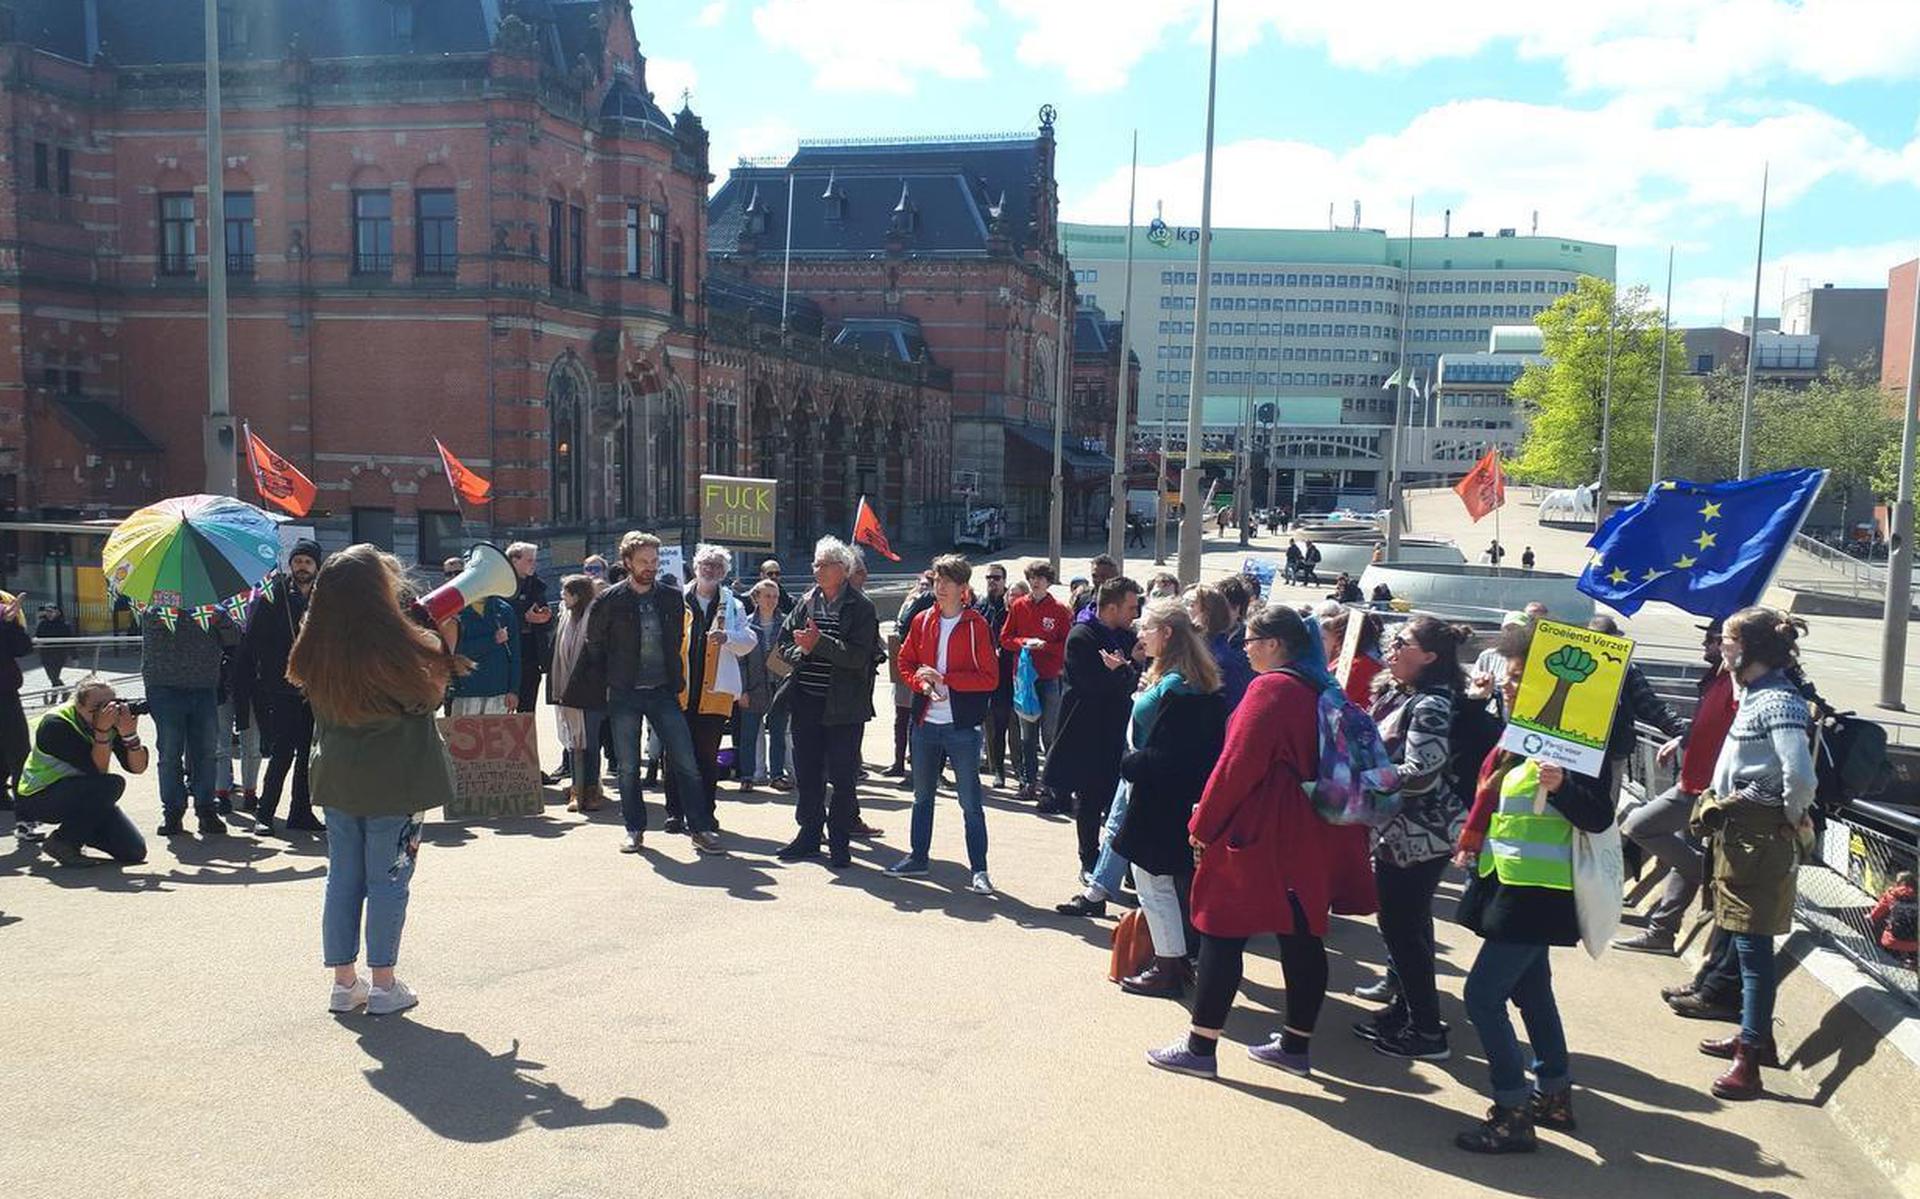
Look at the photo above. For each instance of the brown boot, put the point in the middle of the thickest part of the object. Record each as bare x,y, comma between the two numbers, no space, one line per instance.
573,799
592,798
1723,1047
1166,978
1742,1079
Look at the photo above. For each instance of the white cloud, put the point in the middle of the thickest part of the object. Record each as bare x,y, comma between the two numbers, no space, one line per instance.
876,45
1096,43
712,14
1710,300
767,138
668,78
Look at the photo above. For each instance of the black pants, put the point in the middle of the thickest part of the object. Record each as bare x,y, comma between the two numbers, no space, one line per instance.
15,740
902,733
87,809
706,732
1090,807
290,729
1406,925
1303,964
824,756
1718,978
529,693
998,725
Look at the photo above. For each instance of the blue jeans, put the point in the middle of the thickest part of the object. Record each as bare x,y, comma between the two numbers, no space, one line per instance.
249,738
1757,986
762,742
1111,867
585,761
661,710
1032,732
186,723
934,745
1507,970
369,864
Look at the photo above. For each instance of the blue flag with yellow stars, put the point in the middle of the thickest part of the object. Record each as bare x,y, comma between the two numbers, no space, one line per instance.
1706,548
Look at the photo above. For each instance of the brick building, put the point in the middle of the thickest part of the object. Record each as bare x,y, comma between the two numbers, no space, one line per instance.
945,244
1896,351
460,218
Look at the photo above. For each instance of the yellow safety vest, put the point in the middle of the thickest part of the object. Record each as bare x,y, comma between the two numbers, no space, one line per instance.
1527,849
43,770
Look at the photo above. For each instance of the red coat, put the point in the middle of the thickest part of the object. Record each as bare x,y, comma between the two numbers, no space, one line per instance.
1264,841
1048,620
972,662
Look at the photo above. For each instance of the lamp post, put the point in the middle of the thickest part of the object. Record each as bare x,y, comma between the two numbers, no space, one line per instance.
1117,520
1899,603
1191,518
217,441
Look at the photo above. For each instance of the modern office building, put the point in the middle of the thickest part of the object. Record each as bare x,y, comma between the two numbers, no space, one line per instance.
1475,391
1849,324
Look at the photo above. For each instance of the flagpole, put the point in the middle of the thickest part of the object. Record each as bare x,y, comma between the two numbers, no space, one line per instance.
1753,336
786,262
1660,395
1191,517
1501,554
1899,602
1606,416
1403,374
1117,522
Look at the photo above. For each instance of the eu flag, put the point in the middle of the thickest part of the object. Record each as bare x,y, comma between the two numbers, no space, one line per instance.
1706,548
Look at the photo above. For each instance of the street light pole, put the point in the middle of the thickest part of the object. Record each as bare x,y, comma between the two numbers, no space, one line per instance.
1899,603
1660,395
217,440
1191,517
1606,417
1243,482
1753,336
1404,374
1117,520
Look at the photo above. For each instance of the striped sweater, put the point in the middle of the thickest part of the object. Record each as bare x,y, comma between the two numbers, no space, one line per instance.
1767,757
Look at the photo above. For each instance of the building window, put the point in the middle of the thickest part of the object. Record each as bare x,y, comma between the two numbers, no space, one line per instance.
176,233
372,233
436,239
1703,364
238,229
657,243
633,241
723,437
373,526
556,234
576,249
566,416
41,172
440,538
679,277
63,171
233,35
400,21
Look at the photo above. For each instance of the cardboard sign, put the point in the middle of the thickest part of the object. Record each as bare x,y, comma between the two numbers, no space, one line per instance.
735,511
496,767
1564,710
673,561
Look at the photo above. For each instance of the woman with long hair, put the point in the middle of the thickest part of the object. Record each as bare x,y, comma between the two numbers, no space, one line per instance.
1174,735
375,679
1268,862
1212,616
1415,715
762,735
1756,814
579,727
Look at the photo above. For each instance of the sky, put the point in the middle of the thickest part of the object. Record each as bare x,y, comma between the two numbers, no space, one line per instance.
1643,123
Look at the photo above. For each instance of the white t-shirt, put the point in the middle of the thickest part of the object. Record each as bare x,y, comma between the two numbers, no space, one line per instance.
939,705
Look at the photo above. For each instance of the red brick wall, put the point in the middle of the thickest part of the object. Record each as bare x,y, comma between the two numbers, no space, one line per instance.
1897,356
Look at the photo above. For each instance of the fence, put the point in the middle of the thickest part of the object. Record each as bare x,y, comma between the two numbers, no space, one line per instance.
1858,851
114,659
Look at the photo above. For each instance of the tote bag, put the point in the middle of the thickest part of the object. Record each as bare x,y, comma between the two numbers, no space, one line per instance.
1598,878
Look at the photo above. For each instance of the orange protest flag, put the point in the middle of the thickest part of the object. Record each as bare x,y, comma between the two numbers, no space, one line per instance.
279,481
1485,486
467,485
867,531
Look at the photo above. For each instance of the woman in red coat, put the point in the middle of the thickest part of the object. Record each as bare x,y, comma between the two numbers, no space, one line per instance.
1268,863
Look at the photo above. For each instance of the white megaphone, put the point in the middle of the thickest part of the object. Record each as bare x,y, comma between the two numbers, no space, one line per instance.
488,574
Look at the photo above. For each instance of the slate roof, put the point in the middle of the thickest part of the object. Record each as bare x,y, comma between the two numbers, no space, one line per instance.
951,187
738,297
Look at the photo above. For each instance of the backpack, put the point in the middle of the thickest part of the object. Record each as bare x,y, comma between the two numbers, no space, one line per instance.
1904,920
1470,738
1850,759
1356,782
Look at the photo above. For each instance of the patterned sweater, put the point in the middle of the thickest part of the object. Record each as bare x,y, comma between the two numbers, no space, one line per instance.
1416,727
1767,757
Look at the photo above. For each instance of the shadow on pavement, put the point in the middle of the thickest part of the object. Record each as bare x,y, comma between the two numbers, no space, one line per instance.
452,1085
217,861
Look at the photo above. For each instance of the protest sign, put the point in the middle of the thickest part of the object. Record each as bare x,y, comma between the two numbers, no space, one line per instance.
735,511
496,767
673,562
1564,710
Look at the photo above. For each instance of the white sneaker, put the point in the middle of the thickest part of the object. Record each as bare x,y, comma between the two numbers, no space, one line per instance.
345,999
27,830
630,843
981,885
397,998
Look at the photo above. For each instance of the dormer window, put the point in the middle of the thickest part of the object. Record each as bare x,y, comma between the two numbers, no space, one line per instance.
400,21
834,198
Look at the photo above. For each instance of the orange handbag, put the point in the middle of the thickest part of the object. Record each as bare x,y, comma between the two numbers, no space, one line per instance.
1132,946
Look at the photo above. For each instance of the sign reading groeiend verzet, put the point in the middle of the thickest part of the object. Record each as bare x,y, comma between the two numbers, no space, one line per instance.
737,512
1564,710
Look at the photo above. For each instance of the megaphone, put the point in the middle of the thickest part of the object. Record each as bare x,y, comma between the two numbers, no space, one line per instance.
488,574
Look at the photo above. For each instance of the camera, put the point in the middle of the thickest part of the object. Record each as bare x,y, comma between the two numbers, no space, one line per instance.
136,707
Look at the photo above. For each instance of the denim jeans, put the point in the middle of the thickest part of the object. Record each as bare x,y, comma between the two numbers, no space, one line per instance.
762,742
1757,986
1033,733
660,708
584,762
478,705
1507,970
1110,867
223,737
1160,901
186,723
87,810
369,865
934,745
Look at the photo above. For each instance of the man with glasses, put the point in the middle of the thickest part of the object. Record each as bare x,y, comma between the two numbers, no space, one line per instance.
993,606
770,569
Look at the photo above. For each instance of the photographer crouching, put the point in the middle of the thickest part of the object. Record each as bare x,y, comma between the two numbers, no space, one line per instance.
69,782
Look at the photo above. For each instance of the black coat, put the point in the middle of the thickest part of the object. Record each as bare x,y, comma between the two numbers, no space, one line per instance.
1168,774
259,665
1537,915
1094,709
611,654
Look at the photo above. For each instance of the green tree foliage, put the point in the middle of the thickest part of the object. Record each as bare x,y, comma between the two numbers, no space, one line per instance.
1562,398
1840,421
1570,666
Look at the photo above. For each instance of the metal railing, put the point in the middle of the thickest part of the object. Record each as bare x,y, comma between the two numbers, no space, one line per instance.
116,659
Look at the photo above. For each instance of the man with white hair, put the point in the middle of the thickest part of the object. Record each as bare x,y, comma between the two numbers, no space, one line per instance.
715,635
830,639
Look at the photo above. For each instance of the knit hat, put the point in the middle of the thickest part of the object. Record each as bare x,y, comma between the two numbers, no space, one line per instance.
306,547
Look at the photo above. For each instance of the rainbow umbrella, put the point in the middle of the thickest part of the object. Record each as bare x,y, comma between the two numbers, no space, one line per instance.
191,555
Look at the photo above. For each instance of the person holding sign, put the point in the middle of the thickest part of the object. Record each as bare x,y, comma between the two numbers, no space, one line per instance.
374,679
1517,846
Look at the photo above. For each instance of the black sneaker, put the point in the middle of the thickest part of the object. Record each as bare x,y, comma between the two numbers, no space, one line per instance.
1080,905
1388,1020
1695,1006
1553,1111
1384,991
65,852
799,849
172,826
210,823
1410,1043
675,826
1505,1130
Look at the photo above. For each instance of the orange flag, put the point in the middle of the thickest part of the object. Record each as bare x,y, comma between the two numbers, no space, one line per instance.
280,482
1485,486
467,485
867,531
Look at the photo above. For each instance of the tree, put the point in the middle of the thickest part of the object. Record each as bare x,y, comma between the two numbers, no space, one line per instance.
1838,422
1563,397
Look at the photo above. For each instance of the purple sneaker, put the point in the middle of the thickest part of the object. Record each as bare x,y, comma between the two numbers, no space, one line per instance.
1271,1054
1181,1060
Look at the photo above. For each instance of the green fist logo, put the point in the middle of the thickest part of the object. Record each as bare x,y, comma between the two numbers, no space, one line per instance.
1569,665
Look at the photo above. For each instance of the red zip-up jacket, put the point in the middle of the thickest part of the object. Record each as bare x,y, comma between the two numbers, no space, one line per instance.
1048,620
1711,721
973,666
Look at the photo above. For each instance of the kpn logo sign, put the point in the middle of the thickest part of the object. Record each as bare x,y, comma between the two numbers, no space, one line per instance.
1161,234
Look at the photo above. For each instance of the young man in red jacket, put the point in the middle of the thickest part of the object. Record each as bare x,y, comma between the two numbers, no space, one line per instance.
1038,622
950,661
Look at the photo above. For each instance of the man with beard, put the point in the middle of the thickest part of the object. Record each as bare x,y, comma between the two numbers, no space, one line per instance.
260,684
